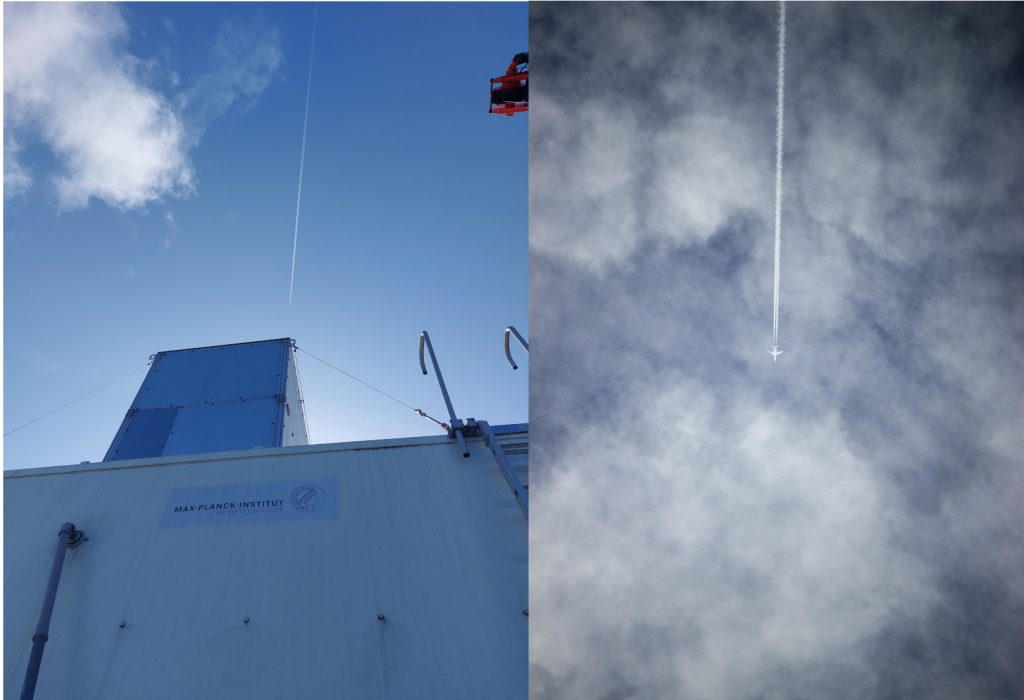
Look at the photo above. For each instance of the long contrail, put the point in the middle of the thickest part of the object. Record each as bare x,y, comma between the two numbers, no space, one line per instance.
780,97
302,157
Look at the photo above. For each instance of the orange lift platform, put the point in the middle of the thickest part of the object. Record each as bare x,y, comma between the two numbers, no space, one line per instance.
510,93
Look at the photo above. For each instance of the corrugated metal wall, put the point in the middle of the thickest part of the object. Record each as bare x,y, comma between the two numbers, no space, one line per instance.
434,542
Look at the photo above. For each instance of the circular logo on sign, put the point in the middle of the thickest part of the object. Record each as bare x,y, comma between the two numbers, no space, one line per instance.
308,498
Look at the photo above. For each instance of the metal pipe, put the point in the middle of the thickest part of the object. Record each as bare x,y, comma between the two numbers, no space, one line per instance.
462,443
67,537
425,339
522,341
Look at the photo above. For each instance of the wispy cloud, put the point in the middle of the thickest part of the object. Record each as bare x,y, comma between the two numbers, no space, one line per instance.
173,231
70,82
242,63
17,178
844,524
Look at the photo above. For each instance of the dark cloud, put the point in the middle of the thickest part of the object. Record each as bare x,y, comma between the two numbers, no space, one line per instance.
843,524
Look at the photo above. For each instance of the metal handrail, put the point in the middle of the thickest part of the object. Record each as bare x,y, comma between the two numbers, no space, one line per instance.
522,341
518,490
456,424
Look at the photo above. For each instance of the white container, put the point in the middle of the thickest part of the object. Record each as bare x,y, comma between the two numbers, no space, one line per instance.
390,569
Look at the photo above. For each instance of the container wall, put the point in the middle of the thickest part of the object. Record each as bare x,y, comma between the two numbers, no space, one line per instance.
311,545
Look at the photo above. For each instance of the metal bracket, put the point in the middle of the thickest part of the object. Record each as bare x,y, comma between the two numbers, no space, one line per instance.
471,428
75,537
526,346
456,426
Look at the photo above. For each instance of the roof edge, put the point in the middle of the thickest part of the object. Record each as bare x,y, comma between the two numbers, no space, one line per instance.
383,444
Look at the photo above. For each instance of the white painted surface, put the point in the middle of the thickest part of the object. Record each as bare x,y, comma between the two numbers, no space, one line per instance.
294,431
433,541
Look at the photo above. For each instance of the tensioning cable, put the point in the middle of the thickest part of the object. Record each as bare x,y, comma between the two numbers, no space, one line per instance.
88,393
420,411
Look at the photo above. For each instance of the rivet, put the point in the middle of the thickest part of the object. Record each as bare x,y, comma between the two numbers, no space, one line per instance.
380,616
526,612
246,621
121,626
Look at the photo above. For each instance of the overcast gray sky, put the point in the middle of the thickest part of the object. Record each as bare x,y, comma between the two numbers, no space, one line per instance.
847,523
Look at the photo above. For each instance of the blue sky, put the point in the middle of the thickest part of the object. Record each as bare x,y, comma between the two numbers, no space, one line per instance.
151,167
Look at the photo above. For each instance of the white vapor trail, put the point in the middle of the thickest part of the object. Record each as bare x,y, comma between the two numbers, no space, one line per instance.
302,157
780,96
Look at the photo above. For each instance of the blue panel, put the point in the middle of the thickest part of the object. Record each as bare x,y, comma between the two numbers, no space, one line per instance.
233,425
144,434
222,373
225,397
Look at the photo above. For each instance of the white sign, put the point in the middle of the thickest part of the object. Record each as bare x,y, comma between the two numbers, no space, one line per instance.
252,502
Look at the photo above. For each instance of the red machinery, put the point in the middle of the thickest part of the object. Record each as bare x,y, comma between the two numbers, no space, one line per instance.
510,93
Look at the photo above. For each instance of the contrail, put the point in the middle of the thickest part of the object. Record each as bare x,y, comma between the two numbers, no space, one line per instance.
780,96
302,157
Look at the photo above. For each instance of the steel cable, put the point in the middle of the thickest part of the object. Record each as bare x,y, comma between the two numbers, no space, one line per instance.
371,386
88,393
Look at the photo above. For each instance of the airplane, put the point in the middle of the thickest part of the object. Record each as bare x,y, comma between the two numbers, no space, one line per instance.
775,352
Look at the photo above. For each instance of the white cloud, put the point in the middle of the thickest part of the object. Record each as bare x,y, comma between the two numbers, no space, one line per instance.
846,523
705,171
613,187
66,78
757,534
70,83
597,159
